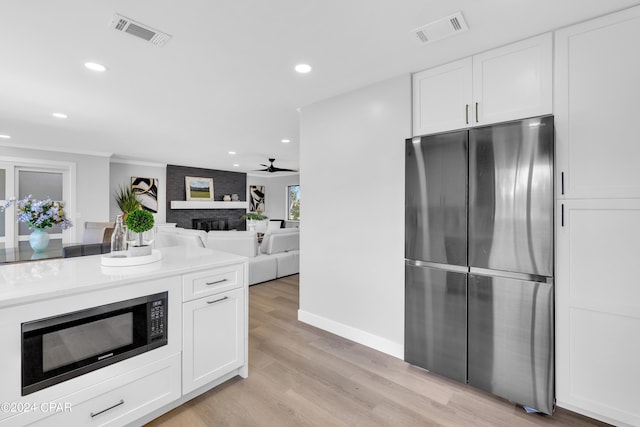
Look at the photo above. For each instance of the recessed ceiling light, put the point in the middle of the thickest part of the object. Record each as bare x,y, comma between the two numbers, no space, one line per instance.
235,165
232,152
95,67
303,68
285,141
5,136
59,115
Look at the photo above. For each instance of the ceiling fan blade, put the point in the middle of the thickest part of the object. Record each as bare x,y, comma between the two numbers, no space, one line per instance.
274,169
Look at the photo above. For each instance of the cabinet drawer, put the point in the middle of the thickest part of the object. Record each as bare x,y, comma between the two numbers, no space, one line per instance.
209,282
146,390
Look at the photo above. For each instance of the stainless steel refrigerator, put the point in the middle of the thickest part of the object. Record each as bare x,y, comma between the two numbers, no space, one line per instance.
479,297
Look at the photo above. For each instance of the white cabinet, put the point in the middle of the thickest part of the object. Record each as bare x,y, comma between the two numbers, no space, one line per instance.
214,339
598,309
442,98
138,392
508,83
598,293
514,81
597,103
214,319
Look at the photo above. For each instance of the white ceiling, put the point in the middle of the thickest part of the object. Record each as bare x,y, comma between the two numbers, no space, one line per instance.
225,81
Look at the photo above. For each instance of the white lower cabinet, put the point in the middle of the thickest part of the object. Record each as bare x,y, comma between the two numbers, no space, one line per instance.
598,309
138,392
213,338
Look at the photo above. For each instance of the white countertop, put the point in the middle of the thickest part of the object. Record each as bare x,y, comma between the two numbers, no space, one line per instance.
33,281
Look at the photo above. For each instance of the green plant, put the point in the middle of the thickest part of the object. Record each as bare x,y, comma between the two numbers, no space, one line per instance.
255,216
139,221
127,200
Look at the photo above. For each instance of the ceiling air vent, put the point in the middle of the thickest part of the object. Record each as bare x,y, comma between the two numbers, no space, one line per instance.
145,32
442,28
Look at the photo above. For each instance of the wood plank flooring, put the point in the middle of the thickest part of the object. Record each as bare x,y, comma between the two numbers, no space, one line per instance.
302,376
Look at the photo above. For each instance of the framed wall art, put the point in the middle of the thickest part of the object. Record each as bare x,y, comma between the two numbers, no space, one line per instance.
199,188
147,191
256,194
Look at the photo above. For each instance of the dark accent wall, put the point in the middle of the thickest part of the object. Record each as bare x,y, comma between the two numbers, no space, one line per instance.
224,182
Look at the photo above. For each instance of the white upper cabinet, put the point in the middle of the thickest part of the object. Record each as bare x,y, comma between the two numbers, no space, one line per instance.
514,81
597,103
442,98
508,83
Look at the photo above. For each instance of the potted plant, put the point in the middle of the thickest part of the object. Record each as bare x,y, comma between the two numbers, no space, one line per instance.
140,235
251,218
40,215
127,201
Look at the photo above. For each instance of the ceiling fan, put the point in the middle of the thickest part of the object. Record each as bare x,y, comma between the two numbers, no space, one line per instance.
272,169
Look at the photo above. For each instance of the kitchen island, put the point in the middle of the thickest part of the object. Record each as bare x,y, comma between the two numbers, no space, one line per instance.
205,331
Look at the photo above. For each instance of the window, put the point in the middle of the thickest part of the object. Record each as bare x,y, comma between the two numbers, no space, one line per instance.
293,202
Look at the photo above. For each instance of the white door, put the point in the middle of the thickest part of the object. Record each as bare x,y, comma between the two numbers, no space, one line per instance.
6,215
42,180
442,98
597,107
598,308
513,82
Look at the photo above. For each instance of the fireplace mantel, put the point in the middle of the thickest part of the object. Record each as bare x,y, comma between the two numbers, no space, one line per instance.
201,204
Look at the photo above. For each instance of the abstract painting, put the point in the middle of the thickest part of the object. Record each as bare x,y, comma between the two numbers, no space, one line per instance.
147,191
257,198
199,188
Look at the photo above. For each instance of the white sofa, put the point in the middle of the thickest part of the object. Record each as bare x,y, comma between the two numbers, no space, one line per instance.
172,236
277,256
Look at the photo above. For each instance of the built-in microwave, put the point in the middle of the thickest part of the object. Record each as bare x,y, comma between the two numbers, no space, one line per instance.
62,347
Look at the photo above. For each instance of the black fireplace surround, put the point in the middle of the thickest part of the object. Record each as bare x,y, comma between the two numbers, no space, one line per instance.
224,182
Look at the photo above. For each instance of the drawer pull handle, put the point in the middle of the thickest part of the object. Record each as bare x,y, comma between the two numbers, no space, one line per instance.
218,300
108,409
216,282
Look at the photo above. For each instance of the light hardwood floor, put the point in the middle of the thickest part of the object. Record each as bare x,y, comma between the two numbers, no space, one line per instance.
302,376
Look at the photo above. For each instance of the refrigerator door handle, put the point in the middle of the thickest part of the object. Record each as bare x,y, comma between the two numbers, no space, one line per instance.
440,266
511,275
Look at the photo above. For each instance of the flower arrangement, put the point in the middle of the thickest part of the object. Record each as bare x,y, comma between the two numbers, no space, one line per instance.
40,214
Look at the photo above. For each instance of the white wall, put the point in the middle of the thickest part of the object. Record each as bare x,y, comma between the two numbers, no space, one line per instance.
275,192
121,173
92,183
352,228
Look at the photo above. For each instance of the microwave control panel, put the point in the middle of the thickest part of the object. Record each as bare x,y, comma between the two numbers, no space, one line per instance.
157,318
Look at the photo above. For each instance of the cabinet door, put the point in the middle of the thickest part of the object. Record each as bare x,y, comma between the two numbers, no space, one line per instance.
514,81
598,309
597,102
442,97
213,338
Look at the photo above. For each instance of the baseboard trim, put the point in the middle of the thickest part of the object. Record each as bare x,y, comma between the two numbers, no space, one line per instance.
357,335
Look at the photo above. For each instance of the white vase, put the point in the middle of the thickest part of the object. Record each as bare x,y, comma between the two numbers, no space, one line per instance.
251,225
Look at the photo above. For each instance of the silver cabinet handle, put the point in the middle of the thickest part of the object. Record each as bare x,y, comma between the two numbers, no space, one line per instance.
477,113
108,409
217,281
218,300
466,113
